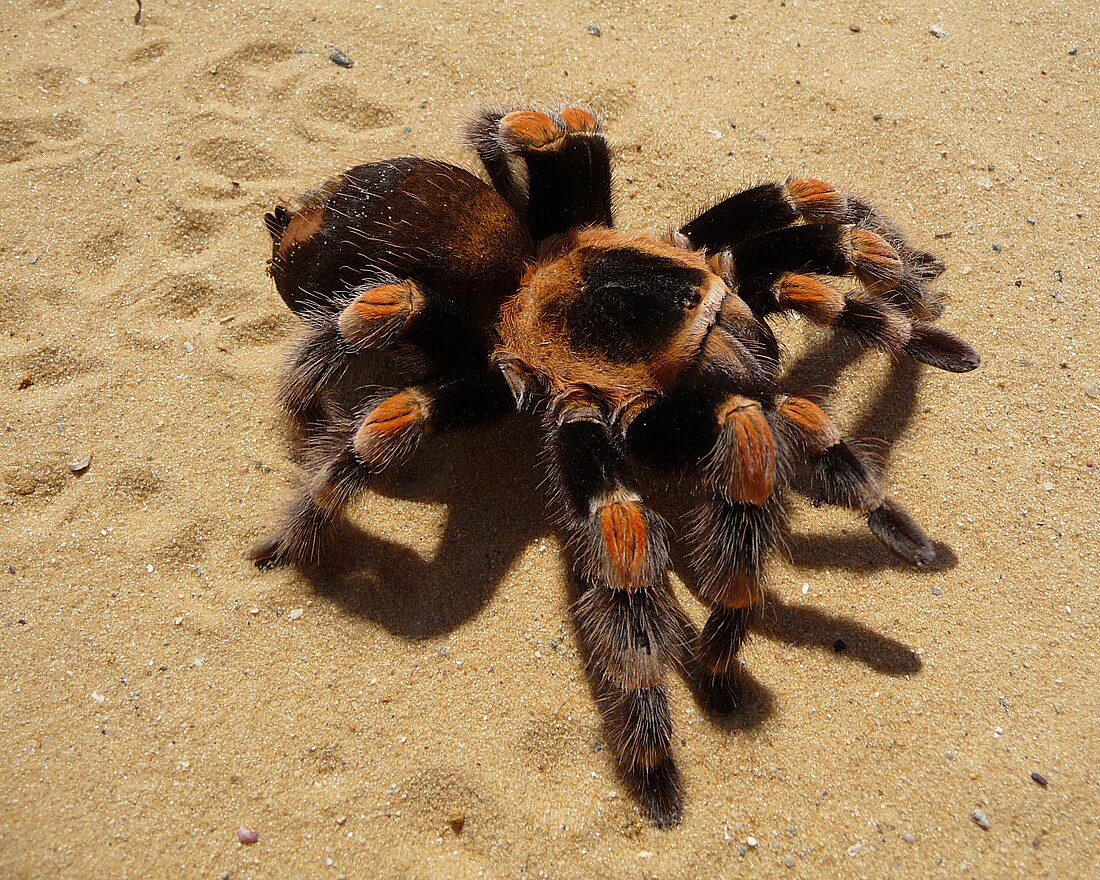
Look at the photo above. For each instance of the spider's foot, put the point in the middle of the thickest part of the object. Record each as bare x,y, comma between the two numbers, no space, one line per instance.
269,554
525,130
717,694
938,348
895,527
660,790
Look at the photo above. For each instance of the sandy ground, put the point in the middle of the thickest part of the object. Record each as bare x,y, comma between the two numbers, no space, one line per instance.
158,692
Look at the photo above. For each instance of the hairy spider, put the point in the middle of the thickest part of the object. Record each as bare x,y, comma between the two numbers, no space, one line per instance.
632,349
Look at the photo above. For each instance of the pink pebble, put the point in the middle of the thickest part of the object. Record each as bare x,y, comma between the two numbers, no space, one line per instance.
247,836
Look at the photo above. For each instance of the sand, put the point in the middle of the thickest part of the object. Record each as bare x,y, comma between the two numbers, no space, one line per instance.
425,714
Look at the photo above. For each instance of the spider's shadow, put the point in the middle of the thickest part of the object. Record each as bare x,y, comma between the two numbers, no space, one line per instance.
490,481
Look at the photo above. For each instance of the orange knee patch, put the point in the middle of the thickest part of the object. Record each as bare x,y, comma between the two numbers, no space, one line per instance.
875,262
816,200
809,419
747,455
741,590
390,428
378,312
811,297
625,539
526,129
579,120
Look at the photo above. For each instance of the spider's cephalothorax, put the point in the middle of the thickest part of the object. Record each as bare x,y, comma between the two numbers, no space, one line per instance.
522,296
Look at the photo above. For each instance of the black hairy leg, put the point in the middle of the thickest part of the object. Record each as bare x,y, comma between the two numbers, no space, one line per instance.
735,525
770,207
845,472
626,616
387,431
554,168
873,322
372,318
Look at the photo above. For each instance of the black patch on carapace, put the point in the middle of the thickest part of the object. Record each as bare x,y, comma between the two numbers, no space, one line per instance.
741,217
631,303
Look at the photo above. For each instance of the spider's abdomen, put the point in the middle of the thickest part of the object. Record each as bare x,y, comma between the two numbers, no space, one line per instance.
426,221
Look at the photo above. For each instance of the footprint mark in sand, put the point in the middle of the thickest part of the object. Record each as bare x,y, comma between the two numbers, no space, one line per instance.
185,294
232,77
341,103
105,246
18,135
135,484
191,229
236,159
50,365
149,52
261,331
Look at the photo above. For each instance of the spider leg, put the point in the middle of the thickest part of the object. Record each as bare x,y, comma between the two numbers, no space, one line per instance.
373,317
386,433
875,323
626,616
735,525
845,473
554,168
765,208
773,206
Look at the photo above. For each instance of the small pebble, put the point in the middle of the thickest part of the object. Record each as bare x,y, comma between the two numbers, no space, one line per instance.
937,31
81,465
839,645
1040,778
1072,50
1032,220
296,614
457,821
593,30
1056,295
877,116
855,29
984,183
908,837
1092,391
936,591
247,836
980,819
996,248
340,59
789,861
188,347
751,842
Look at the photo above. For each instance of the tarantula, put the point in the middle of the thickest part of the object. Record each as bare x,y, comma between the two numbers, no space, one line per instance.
637,352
